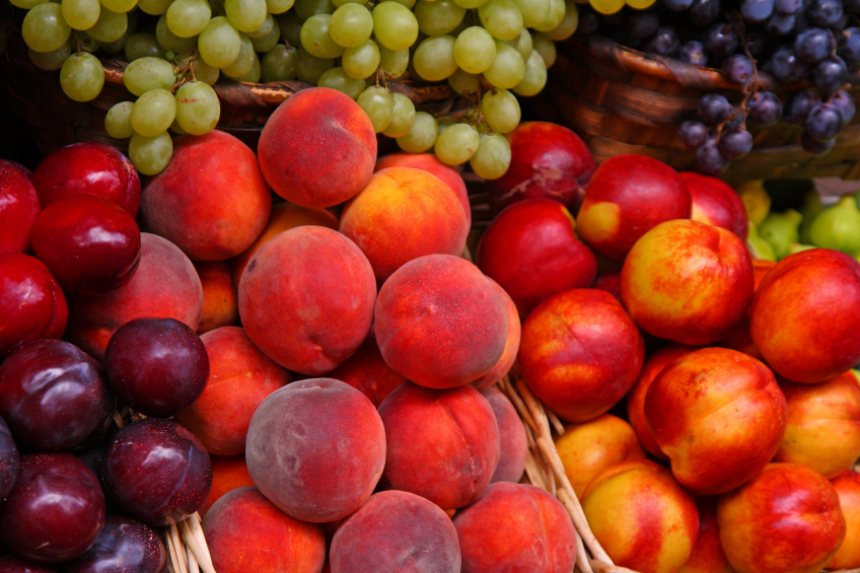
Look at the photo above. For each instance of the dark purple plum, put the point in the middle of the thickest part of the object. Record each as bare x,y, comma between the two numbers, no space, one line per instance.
157,366
55,511
15,564
124,546
157,471
53,395
10,461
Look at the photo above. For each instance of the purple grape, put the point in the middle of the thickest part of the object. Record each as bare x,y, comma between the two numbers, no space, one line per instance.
848,46
830,75
811,145
756,41
664,42
756,11
589,21
693,53
713,109
814,45
709,159
787,67
841,23
787,6
641,24
845,104
704,12
677,5
765,108
738,69
735,143
824,13
736,118
613,20
798,106
823,122
852,6
720,41
693,133
781,24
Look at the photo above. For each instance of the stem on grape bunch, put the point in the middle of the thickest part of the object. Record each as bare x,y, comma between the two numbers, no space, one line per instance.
751,88
77,43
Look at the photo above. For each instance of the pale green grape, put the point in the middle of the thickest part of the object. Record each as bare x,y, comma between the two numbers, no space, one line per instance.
546,48
119,5
291,28
27,4
501,110
434,58
309,68
254,75
204,72
351,25
394,25
474,50
150,155
170,41
507,69
153,112
176,128
187,18
278,6
457,144
279,64
316,38
402,116
378,104
246,15
268,41
118,120
337,79
118,46
265,28
219,43
534,11
437,17
493,157
422,134
307,8
244,62
523,43
111,26
407,3
470,4
361,62
51,61
568,24
464,82
87,43
82,77
502,18
154,7
535,77
339,3
556,14
146,74
394,62
44,28
81,14
142,45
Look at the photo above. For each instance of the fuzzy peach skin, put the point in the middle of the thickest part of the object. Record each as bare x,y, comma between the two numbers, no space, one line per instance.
513,444
715,203
220,299
785,520
366,371
402,214
641,516
306,299
165,285
240,378
246,532
580,353
514,528
708,555
228,473
804,317
688,282
318,148
512,345
719,416
823,426
847,485
211,200
588,449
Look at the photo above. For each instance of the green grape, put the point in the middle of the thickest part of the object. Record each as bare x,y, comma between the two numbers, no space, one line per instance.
244,61
402,116
307,8
339,3
148,73
219,43
434,58
316,38
422,134
111,26
474,50
493,157
437,17
523,43
568,24
535,77
394,25
470,4
394,62
150,155
337,79
361,62
197,108
245,15
169,56
351,25
464,82
81,14
278,6
44,28
267,42
118,120
507,69
82,77
534,11
50,61
407,3
87,43
378,104
119,5
170,41
142,45
153,112
253,75
291,28
502,18
279,64
556,14
501,110
265,28
546,48
457,144
118,46
27,4
309,68
187,18
176,128
204,72
154,7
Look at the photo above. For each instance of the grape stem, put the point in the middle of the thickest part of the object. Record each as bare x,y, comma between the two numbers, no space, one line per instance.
78,44
750,89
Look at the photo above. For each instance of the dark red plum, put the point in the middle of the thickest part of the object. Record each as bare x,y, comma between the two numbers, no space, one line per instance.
19,206
52,395
15,564
157,471
124,546
55,511
90,245
9,461
158,366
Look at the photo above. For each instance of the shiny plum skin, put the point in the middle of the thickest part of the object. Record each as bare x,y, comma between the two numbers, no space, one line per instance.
55,511
157,471
19,206
53,395
124,546
15,564
10,461
158,366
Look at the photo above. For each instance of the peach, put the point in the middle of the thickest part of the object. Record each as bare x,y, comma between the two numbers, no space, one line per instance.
240,378
641,516
19,206
220,299
440,323
610,281
804,317
588,449
284,216
708,555
847,485
787,519
739,338
687,282
211,200
715,203
512,345
165,285
402,214
442,444
318,148
228,473
513,446
367,372
823,426
246,532
581,353
395,532
514,528
719,416
288,435
306,299
531,250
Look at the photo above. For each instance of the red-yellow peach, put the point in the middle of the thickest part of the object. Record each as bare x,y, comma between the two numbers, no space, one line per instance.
367,372
228,473
513,445
847,485
739,338
708,555
220,299
715,203
512,345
